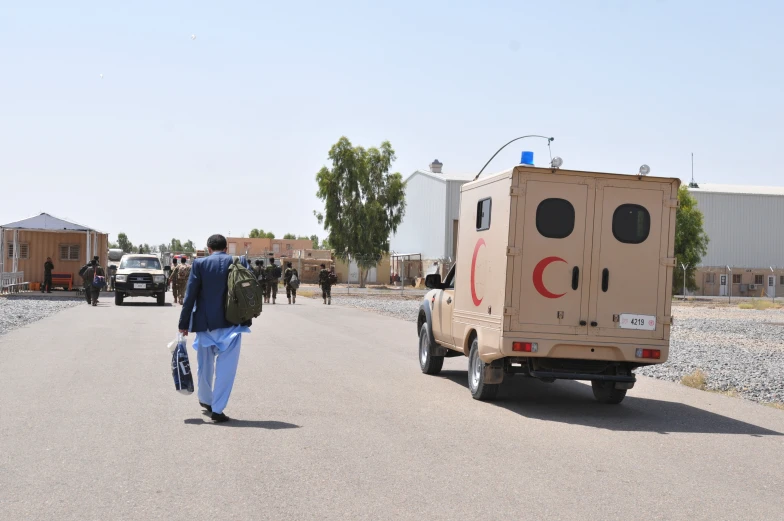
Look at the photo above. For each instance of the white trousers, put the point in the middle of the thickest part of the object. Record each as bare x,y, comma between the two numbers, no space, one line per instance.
217,370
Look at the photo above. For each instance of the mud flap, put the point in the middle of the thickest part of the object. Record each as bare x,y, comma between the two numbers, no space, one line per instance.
624,385
494,372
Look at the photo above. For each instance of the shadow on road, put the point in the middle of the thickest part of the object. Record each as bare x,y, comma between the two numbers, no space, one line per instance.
270,425
571,402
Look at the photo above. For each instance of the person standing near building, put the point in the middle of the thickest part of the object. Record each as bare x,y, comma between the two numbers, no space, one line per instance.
273,278
91,272
48,267
183,272
325,281
217,341
291,287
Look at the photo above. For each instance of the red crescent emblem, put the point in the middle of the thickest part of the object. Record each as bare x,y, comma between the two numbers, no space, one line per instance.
539,272
477,300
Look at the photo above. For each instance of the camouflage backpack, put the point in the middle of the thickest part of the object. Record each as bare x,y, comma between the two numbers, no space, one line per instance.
244,298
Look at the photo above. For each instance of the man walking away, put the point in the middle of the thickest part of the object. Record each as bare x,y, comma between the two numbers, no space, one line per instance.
90,290
291,290
48,267
273,278
217,341
325,281
261,276
183,272
173,280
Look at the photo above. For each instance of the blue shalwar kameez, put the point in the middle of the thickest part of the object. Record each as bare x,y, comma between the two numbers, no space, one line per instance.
218,353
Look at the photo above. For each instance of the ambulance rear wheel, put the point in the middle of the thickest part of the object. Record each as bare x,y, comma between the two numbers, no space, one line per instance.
118,299
476,376
605,392
427,362
161,299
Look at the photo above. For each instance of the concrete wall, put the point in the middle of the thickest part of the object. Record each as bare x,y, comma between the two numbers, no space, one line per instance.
261,247
348,273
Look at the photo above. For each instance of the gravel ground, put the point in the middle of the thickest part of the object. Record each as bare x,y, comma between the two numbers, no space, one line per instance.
17,312
739,350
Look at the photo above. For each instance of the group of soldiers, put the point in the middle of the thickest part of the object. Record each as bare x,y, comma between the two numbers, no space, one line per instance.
178,278
269,278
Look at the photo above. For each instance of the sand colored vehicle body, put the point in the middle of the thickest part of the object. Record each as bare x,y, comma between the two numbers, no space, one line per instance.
559,275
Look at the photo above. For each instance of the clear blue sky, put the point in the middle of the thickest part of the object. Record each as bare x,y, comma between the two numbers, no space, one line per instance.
183,138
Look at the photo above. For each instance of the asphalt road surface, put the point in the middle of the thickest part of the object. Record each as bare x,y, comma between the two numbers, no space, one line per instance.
335,421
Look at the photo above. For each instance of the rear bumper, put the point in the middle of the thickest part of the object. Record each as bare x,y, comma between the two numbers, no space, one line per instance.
584,348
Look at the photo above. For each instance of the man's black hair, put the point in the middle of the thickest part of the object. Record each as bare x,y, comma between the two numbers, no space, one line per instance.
94,262
183,260
217,242
95,258
174,261
259,262
324,266
288,264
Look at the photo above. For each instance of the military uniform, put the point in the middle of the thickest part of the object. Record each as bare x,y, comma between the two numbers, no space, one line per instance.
261,276
325,281
48,267
90,291
291,292
181,281
173,281
272,282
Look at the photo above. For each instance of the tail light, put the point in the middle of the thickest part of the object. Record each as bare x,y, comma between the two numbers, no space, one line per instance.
525,347
654,354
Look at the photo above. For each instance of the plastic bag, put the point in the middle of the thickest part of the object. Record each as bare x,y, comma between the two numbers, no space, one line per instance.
181,366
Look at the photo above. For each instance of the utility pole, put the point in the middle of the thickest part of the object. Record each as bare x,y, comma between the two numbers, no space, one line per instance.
684,280
730,284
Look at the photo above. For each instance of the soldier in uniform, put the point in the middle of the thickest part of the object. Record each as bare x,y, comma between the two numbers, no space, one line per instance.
291,291
48,267
181,280
173,279
272,279
325,281
261,276
92,270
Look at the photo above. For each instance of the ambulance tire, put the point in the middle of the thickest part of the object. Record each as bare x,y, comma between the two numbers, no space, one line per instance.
479,389
118,299
605,392
428,363
161,299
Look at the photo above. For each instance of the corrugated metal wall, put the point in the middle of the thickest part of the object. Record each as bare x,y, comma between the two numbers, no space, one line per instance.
47,244
744,229
423,229
452,215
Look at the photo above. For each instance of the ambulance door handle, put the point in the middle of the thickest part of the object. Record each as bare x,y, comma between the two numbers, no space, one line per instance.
575,277
449,300
605,279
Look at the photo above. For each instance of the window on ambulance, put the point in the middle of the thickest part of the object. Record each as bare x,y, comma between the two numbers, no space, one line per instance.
449,283
631,224
555,218
483,209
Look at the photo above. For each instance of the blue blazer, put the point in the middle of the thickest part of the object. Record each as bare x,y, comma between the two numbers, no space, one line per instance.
205,296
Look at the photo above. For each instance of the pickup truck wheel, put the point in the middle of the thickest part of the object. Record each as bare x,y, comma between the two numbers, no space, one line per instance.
161,299
118,299
476,380
605,392
427,362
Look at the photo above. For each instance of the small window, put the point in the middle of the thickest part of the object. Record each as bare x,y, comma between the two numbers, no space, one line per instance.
69,252
710,278
781,280
24,250
758,280
631,224
483,209
736,279
555,218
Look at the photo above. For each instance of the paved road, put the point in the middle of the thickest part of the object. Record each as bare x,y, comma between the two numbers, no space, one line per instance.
336,422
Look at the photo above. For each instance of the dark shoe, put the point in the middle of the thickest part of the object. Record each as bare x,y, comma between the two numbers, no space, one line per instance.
219,418
207,407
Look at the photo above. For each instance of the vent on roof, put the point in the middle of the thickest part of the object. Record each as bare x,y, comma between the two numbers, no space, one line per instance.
435,166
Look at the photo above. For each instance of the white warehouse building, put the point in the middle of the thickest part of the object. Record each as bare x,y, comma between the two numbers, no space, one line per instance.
429,227
743,224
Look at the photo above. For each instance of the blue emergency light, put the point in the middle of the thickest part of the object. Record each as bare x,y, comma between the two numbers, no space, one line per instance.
527,159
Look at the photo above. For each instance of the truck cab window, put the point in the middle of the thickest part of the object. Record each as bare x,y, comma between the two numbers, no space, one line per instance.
483,209
555,218
631,224
449,283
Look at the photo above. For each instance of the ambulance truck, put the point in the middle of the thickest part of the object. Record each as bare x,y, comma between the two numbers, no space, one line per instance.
559,275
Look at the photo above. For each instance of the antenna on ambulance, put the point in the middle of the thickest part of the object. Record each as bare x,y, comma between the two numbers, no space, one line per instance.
549,140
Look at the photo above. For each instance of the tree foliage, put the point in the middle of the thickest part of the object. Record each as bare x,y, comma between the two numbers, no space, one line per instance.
363,202
258,233
691,241
315,240
289,236
124,243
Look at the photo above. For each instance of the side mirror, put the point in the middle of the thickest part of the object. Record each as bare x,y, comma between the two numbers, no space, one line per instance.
433,281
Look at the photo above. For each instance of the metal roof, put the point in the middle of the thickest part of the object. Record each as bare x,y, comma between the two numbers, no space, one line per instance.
738,189
443,177
46,222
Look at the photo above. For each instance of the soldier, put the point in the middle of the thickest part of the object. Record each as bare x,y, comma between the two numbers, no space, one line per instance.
181,281
48,267
261,276
325,281
89,278
112,276
291,289
172,279
273,277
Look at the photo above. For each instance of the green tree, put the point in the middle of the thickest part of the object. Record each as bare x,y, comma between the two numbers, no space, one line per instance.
175,245
188,247
123,243
314,239
691,241
289,236
363,202
325,245
255,233
270,235
163,248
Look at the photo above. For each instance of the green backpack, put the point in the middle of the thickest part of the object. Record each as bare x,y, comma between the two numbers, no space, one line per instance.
244,298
